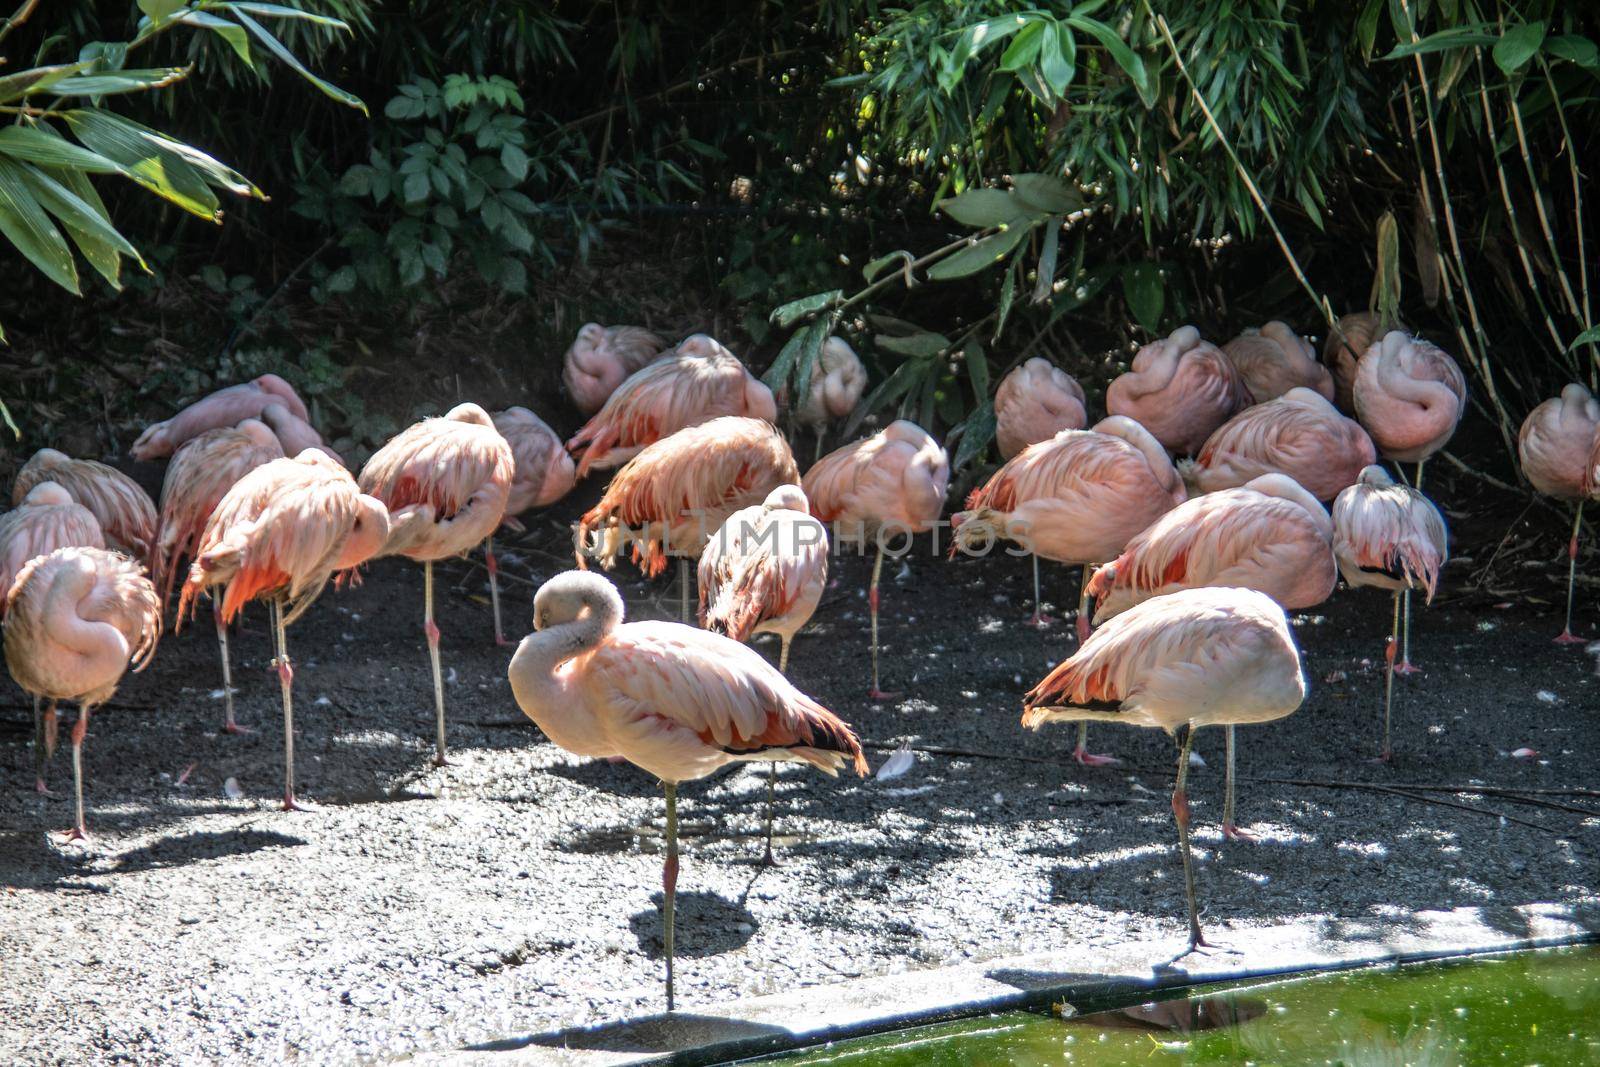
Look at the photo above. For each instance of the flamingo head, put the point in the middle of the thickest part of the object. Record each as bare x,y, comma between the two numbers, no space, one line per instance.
470,413
791,497
367,534
45,494
571,595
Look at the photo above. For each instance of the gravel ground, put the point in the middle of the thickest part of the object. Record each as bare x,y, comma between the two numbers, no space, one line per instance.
517,889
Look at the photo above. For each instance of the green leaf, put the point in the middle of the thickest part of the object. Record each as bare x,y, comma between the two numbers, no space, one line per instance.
1125,57
35,145
788,314
921,343
1025,47
514,160
122,81
1048,255
807,363
1141,285
1057,58
231,32
145,161
16,86
976,433
278,11
1587,337
1047,193
982,208
977,368
1518,45
1469,36
979,255
276,47
1008,294
5,412
1575,49
86,222
871,271
29,229
778,374
1367,28
415,189
105,256
160,9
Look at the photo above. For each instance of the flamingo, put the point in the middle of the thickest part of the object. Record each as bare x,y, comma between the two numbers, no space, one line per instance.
670,498
542,473
1274,359
601,357
445,482
278,534
676,702
126,515
893,482
294,434
1178,662
47,519
836,387
1270,535
1299,434
1180,388
1342,351
1077,498
202,471
1553,446
697,381
225,407
1410,396
1035,402
74,621
763,572
1391,537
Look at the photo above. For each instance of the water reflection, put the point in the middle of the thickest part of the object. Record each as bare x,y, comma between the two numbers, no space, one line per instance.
1180,1016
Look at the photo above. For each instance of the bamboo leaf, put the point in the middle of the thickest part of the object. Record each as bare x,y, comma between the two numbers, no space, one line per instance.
16,86
871,271
1469,36
86,222
147,160
29,229
1141,285
1579,50
276,47
807,362
160,9
976,433
1125,57
788,314
982,208
113,82
102,256
800,342
923,343
278,11
1008,295
1047,193
1587,337
977,369
231,32
1047,261
49,149
980,255
1518,45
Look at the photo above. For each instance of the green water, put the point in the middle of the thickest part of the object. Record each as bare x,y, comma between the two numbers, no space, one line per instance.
1525,1008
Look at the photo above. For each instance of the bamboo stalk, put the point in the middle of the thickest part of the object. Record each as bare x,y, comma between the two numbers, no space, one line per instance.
1577,218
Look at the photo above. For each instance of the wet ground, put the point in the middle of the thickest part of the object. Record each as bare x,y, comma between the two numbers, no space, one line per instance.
517,889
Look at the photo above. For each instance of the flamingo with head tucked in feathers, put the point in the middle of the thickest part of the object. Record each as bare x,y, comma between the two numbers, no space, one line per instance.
1299,434
1274,359
1347,342
1180,388
126,515
1035,402
223,408
1553,445
601,357
837,382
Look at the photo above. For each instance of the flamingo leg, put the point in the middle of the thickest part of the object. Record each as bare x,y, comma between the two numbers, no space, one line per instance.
1567,637
1406,666
767,858
492,565
876,692
44,743
1082,754
432,631
80,730
1180,815
1040,619
1388,680
229,725
669,883
1083,604
286,684
683,589
1229,830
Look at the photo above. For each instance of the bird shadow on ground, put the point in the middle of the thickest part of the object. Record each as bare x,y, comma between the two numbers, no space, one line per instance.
196,847
652,1035
707,925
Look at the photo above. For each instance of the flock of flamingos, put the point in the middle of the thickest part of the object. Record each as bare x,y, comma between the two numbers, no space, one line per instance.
1188,566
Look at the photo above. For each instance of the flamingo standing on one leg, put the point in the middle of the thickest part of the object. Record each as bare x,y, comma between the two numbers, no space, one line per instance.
542,473
763,572
1553,445
893,482
74,621
1035,402
1270,535
1274,359
47,519
1391,537
218,410
601,357
126,515
202,471
445,482
1299,434
697,381
1179,662
836,387
670,498
1077,498
677,702
1180,388
277,535
1410,396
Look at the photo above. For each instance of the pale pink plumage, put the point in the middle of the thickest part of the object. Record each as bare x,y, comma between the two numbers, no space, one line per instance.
542,471
1180,388
1409,395
126,515
295,434
1299,434
1591,474
837,382
201,472
699,380
225,407
47,519
1273,360
898,478
1269,535
601,357
1343,350
1555,441
1388,536
764,570
1035,402
675,493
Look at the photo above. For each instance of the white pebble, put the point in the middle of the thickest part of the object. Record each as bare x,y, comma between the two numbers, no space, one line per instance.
231,789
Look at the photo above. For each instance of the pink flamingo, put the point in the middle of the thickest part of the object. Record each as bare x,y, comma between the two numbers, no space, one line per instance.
126,515
1553,445
670,498
1391,537
1180,388
278,534
1178,662
445,482
1343,350
1274,359
677,702
1410,396
542,473
47,519
837,383
1035,402
225,407
202,471
763,572
601,357
294,434
1270,535
893,482
698,381
1078,499
1299,434
74,621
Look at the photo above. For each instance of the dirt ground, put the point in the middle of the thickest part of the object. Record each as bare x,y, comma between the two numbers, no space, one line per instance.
517,889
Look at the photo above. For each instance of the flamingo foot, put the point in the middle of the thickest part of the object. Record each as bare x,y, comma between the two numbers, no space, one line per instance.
1041,621
439,761
769,860
879,694
1089,759
42,789
1405,667
1567,637
77,833
291,803
1234,833
235,728
500,639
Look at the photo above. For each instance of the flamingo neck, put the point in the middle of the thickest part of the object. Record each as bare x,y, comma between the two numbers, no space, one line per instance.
545,680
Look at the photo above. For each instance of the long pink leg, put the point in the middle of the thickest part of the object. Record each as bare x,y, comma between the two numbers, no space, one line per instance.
229,726
1180,815
1405,665
669,883
80,729
1567,637
432,631
1229,830
44,744
1082,753
286,683
493,567
876,693
1040,619
1388,679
